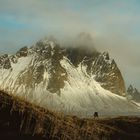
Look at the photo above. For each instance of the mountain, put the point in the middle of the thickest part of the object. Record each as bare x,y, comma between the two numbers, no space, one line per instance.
74,81
133,94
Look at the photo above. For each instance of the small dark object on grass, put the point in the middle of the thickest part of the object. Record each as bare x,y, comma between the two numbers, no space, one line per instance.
96,115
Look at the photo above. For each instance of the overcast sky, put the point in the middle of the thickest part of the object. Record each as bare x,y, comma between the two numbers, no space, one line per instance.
113,24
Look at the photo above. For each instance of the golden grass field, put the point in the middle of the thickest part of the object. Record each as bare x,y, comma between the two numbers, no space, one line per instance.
22,120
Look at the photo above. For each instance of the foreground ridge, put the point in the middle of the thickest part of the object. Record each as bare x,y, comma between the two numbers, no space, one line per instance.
22,120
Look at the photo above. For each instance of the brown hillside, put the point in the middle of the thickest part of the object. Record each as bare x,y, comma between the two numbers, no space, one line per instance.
22,120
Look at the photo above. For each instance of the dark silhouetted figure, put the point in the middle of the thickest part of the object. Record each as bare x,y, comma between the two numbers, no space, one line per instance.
96,115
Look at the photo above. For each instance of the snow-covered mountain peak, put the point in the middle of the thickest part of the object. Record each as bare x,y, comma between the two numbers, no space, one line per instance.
98,65
72,80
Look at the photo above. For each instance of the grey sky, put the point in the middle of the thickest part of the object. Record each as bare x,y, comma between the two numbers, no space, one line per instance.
114,25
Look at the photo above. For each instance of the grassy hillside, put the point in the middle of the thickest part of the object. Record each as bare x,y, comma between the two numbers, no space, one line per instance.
22,120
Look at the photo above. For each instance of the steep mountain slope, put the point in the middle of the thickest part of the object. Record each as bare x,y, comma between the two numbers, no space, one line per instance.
101,66
45,74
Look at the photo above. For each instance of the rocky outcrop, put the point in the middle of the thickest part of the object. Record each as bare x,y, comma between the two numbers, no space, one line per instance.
133,94
101,66
107,74
5,62
46,56
22,52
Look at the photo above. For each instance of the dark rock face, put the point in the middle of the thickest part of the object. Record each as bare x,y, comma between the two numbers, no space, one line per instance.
100,66
77,55
5,62
57,72
44,53
133,93
22,52
108,74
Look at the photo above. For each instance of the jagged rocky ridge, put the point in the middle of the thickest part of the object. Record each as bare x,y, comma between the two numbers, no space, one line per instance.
65,79
100,65
97,64
133,94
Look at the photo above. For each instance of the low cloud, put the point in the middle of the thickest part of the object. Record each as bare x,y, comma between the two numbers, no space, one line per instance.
113,25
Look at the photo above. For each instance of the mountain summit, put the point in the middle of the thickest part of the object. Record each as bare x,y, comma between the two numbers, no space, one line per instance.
73,80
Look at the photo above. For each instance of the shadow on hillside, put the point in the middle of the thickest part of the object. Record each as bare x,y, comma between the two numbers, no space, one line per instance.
20,120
